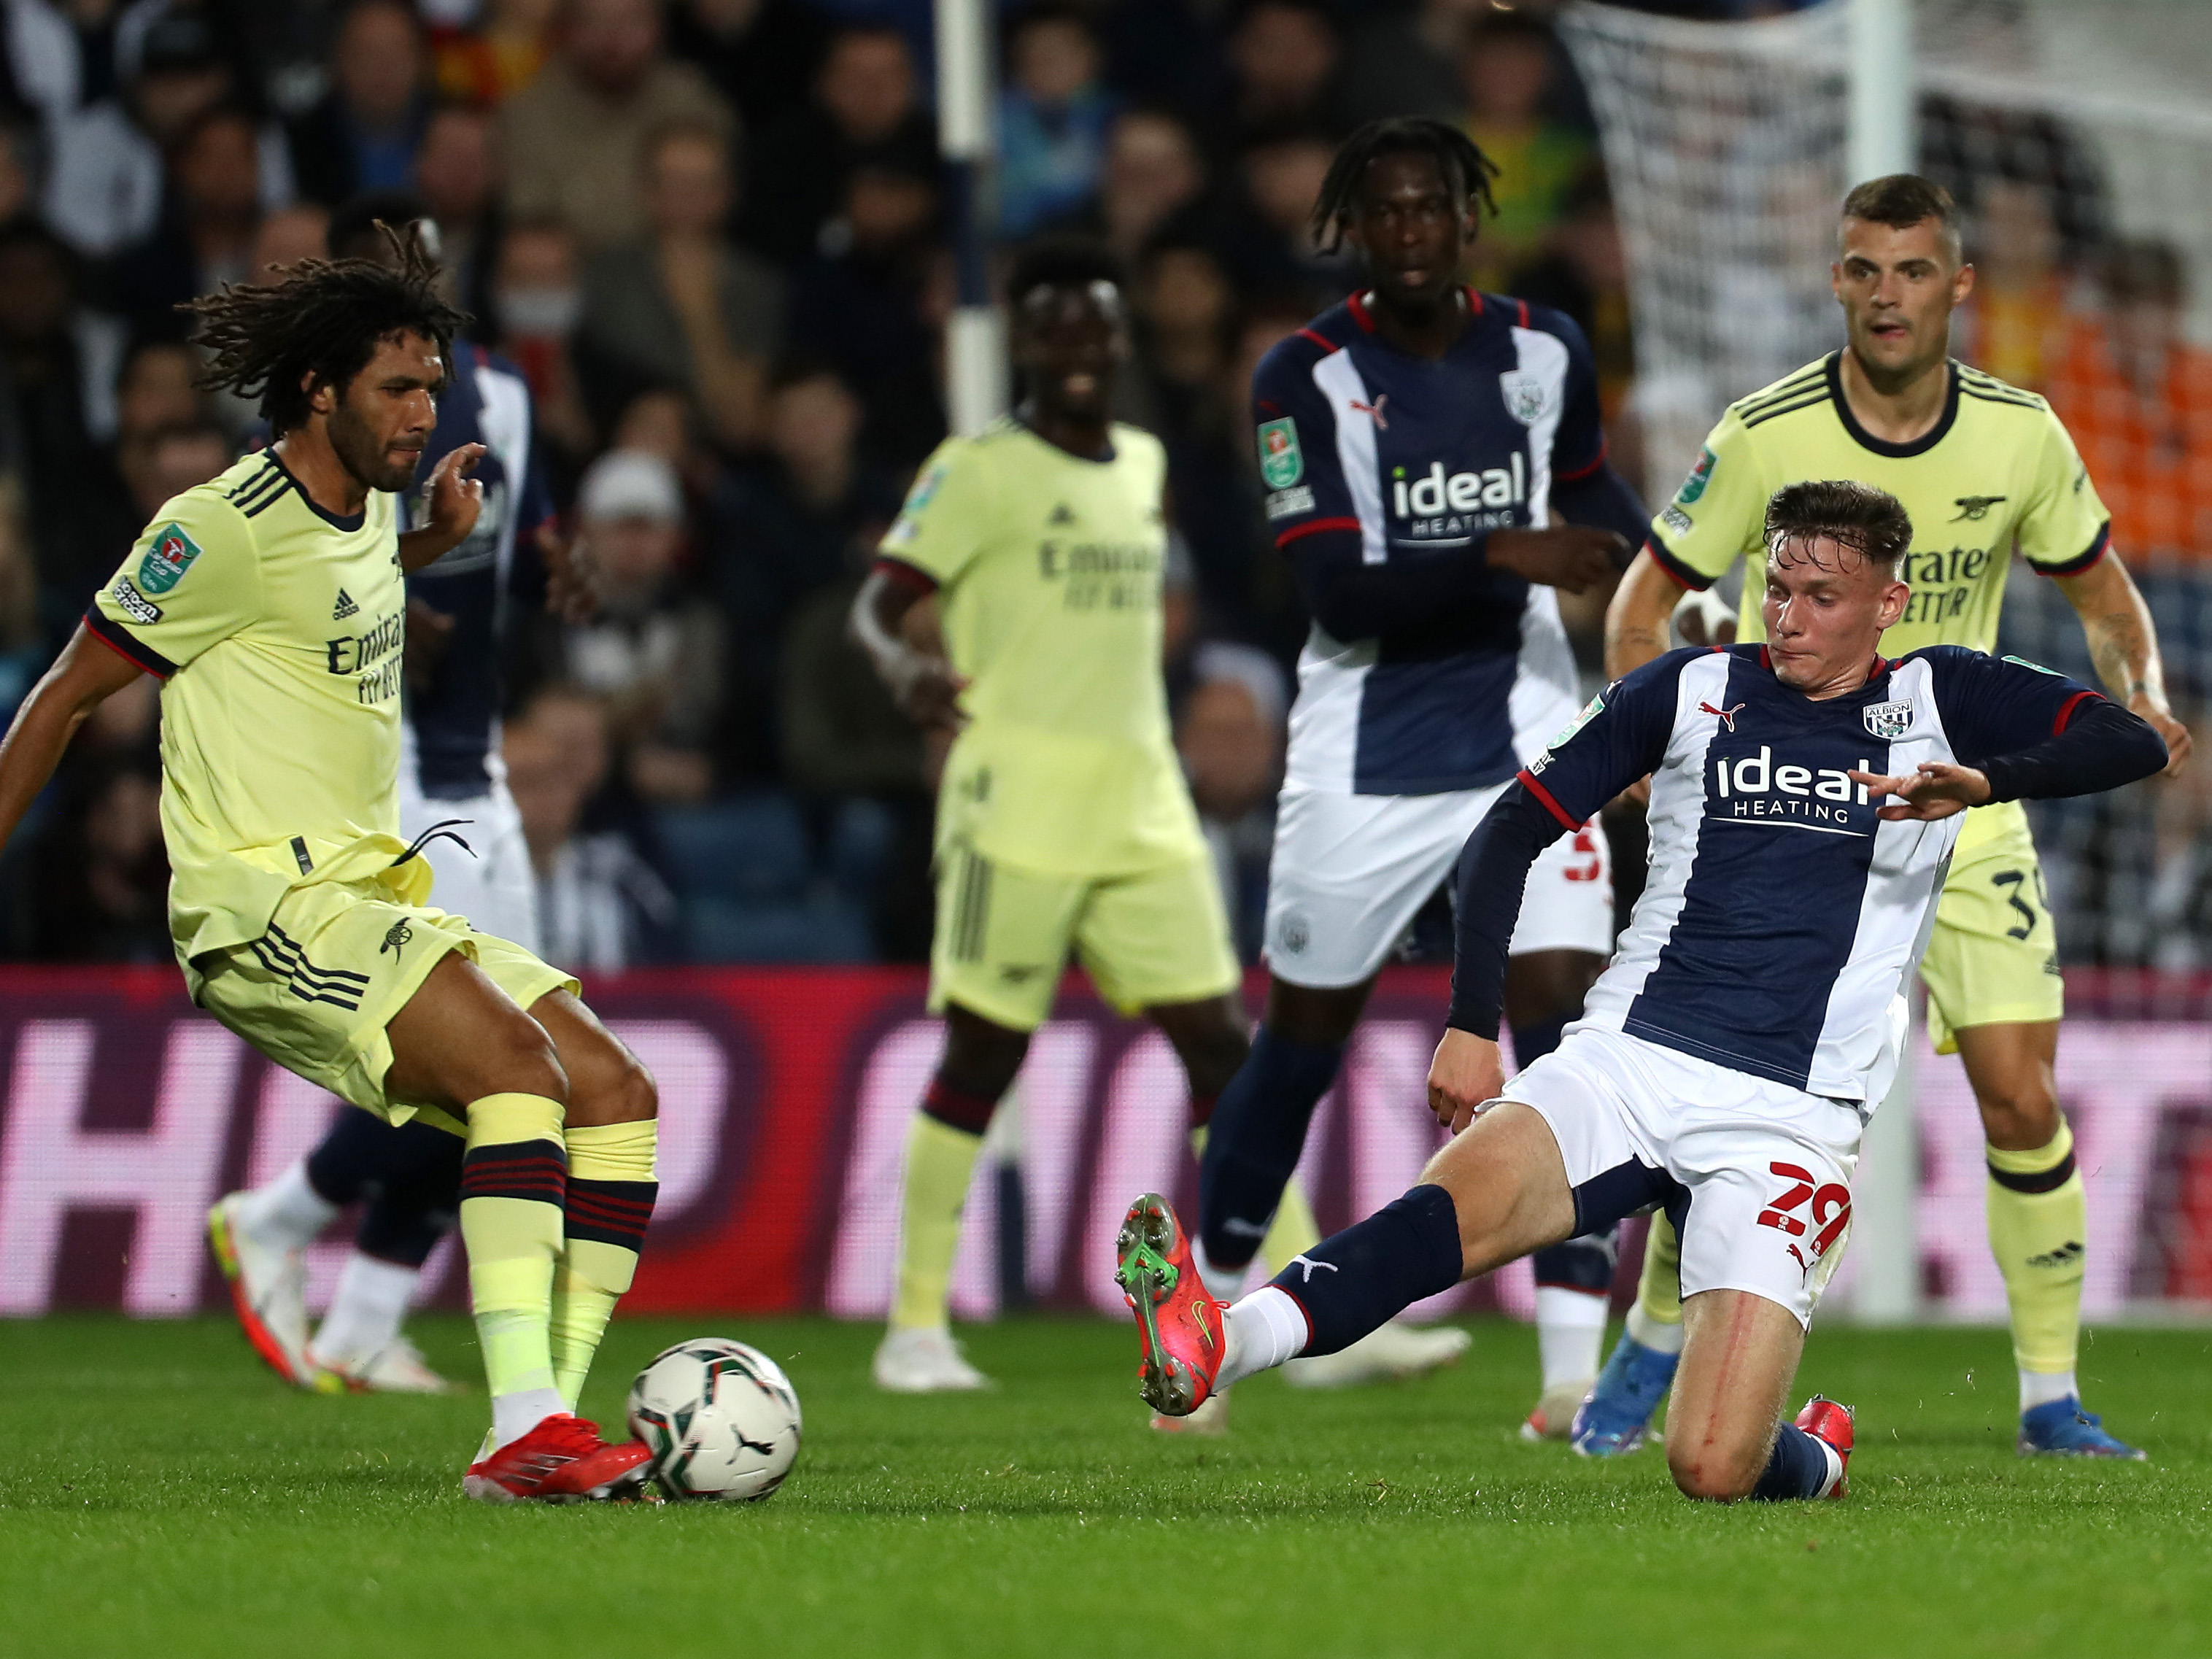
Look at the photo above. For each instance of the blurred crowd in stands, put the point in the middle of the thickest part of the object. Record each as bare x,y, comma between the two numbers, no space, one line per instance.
711,235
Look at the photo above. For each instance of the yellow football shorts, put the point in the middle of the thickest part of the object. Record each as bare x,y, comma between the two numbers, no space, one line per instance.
1004,935
339,960
1993,957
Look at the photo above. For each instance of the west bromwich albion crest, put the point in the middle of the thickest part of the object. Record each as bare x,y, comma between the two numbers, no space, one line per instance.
1525,395
1887,721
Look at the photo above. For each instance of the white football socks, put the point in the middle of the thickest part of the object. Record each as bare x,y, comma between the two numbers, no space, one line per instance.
1264,1329
1660,1336
1570,1331
1222,1284
1835,1461
366,1310
2041,1388
513,1415
287,1212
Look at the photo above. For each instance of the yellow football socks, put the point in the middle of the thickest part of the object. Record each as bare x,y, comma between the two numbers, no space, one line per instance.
940,1162
1655,1321
610,1201
2039,1217
514,1180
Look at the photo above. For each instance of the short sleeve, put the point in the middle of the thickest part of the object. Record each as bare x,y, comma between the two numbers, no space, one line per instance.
1995,706
1716,516
191,581
1294,435
2066,528
1621,736
1578,445
942,526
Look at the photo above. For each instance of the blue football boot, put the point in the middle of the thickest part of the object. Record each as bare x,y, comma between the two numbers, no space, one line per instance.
2060,1428
1613,1421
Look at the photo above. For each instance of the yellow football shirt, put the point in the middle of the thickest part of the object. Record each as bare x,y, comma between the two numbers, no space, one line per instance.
1997,473
1049,570
276,630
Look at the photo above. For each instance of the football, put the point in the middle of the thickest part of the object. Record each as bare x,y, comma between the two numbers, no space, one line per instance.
721,1417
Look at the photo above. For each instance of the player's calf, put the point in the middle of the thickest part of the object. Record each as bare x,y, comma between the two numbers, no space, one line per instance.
1725,1440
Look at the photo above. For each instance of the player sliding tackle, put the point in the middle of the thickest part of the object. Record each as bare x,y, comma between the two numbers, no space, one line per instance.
270,602
1728,1059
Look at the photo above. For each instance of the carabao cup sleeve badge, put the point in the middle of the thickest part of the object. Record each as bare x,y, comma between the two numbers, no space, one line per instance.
168,555
1282,462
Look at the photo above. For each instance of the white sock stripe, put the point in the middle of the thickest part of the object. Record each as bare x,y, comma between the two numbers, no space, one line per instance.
1835,1467
1266,1328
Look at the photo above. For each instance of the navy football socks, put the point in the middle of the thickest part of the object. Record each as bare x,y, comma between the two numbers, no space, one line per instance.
1798,1468
1254,1141
1531,1043
1583,1264
410,1176
1374,1270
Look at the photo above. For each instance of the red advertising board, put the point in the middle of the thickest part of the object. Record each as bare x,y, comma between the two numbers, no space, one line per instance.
786,1093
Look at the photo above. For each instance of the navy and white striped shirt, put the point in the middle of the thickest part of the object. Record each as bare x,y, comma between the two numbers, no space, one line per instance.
1783,917
1420,457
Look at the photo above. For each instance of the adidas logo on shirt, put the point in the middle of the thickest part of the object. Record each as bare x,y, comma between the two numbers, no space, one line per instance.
345,607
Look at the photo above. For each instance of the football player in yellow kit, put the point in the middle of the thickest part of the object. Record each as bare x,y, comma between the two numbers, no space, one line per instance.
269,603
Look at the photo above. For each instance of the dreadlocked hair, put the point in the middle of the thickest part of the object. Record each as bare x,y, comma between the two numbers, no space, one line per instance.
319,326
1464,165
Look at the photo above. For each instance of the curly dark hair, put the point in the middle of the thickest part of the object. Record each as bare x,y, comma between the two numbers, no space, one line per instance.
320,326
1464,165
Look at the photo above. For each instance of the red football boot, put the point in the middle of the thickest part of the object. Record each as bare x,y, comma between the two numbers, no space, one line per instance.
562,1460
1179,1331
1830,1424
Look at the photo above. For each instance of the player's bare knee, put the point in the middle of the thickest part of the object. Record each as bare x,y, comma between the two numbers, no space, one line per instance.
1708,1474
2019,1117
1211,1046
981,1057
514,1056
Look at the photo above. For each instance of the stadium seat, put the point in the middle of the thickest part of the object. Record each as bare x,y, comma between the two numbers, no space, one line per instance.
723,930
751,848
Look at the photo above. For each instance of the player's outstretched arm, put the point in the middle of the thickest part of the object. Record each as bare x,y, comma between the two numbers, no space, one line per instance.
2123,644
1493,874
2103,746
83,677
923,683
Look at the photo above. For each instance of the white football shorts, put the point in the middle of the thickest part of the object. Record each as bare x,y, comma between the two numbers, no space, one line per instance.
1755,1175
490,882
1349,873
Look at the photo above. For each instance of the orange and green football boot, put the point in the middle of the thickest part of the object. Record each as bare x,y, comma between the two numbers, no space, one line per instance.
1180,1340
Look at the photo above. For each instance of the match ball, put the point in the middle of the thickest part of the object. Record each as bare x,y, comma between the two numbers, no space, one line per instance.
721,1417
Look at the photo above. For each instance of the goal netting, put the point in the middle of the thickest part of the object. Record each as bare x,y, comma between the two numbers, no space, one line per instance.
2076,135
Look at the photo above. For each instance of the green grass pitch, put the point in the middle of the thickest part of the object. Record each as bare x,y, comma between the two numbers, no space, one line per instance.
161,1494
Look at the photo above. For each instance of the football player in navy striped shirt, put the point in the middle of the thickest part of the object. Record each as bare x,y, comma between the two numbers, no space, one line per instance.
1806,796
1436,469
